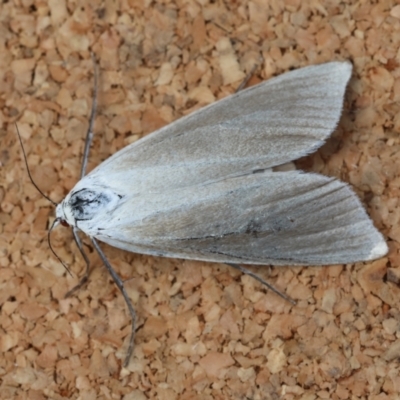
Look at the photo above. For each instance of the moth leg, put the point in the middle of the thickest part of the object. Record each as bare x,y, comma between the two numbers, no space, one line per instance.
85,278
88,142
259,279
89,134
247,78
118,281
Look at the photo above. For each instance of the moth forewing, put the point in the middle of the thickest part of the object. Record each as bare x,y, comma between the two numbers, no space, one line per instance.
272,123
307,219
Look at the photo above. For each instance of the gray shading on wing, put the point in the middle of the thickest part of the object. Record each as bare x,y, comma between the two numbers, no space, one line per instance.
261,127
307,219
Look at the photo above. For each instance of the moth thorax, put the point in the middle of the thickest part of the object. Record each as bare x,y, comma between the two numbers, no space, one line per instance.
86,204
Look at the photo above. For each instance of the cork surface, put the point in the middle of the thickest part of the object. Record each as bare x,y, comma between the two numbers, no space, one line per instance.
205,331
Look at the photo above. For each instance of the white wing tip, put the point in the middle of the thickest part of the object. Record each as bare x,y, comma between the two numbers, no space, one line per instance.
378,251
345,68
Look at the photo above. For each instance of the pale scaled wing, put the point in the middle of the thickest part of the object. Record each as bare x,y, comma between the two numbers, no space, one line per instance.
307,219
266,125
202,187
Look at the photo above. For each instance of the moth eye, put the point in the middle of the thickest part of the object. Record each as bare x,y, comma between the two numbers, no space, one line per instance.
63,222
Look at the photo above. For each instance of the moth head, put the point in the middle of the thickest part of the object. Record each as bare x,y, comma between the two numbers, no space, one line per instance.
86,204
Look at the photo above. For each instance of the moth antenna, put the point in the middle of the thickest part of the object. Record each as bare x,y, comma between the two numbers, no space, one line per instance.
261,280
120,284
85,278
51,248
89,134
46,197
29,172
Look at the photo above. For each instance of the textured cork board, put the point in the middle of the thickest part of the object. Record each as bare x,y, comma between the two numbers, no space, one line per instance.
205,330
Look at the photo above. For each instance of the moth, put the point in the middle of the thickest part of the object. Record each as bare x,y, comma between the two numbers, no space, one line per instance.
208,186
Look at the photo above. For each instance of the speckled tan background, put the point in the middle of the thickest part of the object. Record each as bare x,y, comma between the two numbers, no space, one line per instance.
206,332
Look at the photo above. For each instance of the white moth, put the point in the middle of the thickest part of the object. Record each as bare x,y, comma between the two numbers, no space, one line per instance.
205,187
